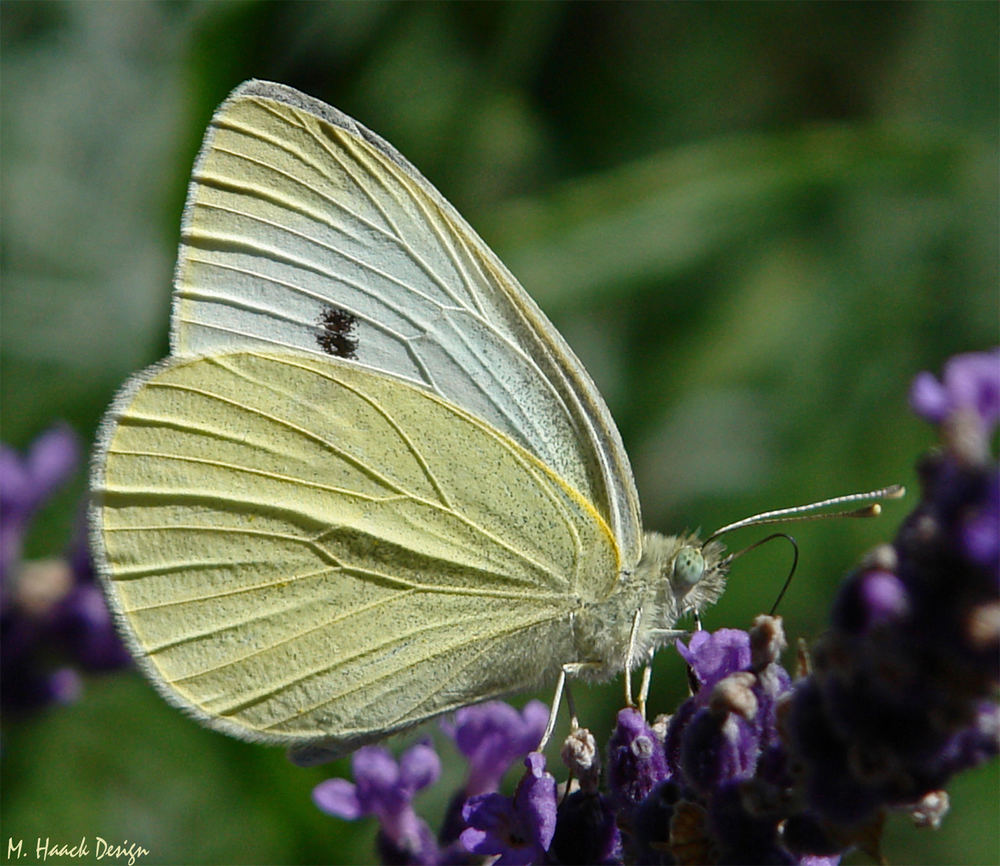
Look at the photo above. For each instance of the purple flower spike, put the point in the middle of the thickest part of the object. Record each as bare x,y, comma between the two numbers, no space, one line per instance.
385,789
51,611
520,830
902,693
712,656
492,736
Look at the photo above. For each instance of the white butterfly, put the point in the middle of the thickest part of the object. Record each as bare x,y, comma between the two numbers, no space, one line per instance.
371,483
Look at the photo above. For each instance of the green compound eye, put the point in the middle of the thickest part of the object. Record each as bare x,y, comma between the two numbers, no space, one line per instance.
689,566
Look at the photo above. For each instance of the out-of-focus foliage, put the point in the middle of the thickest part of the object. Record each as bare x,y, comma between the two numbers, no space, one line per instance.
754,222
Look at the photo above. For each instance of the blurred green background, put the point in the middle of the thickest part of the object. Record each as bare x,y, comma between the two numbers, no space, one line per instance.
754,223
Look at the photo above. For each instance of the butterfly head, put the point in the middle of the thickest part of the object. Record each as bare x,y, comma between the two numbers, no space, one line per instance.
697,575
686,575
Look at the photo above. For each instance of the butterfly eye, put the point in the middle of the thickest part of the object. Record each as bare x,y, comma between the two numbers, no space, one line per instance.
689,566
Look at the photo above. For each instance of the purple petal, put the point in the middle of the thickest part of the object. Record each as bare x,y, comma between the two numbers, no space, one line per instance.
474,723
476,841
519,830
338,797
492,824
53,459
25,484
419,766
487,811
492,736
534,717
375,767
980,531
928,398
535,800
15,483
973,381
380,789
970,381
715,655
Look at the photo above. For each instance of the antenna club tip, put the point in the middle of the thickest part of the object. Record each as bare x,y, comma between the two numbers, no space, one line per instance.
895,491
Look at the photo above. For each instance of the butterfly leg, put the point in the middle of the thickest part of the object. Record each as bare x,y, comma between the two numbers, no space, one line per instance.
693,684
647,673
647,677
567,670
630,657
660,636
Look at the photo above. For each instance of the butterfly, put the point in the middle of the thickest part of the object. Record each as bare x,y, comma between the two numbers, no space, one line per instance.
371,483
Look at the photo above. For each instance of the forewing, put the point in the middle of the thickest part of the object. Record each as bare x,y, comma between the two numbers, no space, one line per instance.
302,550
304,230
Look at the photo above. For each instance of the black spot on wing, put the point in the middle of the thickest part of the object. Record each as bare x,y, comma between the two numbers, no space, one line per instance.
337,333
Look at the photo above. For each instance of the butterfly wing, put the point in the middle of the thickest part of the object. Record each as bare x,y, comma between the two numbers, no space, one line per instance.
303,230
302,550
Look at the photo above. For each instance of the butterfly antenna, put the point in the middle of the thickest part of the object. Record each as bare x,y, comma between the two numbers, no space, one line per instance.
816,510
812,511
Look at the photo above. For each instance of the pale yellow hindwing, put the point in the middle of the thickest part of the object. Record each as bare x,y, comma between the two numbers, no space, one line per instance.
301,548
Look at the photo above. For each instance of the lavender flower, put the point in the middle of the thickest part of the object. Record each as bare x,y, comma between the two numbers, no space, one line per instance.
491,736
385,789
53,618
721,748
519,829
900,698
971,384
